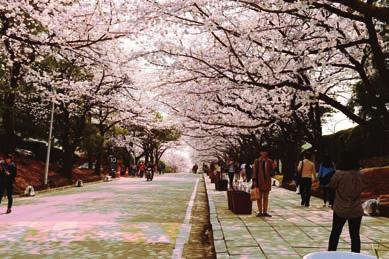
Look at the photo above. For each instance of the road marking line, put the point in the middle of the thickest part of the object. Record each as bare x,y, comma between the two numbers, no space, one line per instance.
183,236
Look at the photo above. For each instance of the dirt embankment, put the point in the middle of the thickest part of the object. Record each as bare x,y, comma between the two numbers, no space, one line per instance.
31,172
376,182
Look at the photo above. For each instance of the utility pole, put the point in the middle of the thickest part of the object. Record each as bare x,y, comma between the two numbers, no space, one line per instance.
49,143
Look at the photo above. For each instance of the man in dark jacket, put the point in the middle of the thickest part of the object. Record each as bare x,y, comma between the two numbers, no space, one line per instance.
7,179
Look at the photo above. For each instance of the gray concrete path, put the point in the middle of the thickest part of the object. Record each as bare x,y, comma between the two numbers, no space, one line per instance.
291,233
126,218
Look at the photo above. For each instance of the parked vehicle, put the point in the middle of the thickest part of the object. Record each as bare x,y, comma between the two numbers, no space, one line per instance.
86,166
24,152
112,172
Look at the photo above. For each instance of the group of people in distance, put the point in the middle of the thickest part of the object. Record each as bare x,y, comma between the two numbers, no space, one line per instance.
341,184
139,169
306,175
260,173
8,174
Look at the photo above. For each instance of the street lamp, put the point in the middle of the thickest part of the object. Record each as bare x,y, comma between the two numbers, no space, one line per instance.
49,141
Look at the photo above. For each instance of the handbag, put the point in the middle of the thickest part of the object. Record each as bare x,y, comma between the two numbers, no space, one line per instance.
254,194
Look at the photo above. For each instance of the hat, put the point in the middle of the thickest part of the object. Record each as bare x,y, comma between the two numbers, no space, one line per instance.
306,147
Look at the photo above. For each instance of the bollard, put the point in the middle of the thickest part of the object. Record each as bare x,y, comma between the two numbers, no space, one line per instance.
29,192
79,183
107,178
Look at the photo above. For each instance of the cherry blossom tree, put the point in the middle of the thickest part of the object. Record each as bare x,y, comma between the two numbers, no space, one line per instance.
232,66
227,71
273,54
82,33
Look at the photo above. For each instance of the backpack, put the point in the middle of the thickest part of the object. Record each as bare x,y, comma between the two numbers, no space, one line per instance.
325,180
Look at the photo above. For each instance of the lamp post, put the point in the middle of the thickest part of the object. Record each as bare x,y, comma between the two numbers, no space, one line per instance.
49,143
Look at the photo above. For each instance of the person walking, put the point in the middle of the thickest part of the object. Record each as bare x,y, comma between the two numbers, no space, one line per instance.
347,183
262,172
326,171
236,171
133,169
161,168
212,171
231,172
243,175
205,169
249,171
151,167
7,179
142,169
218,171
195,168
308,173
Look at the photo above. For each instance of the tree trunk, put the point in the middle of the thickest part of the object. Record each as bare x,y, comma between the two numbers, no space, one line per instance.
289,161
98,162
10,97
90,160
68,161
99,154
152,158
315,121
290,152
68,151
9,124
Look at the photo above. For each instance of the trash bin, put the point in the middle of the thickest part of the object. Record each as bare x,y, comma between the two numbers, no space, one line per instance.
241,202
337,255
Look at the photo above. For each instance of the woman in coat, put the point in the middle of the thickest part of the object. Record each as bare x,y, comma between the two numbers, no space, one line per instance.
347,183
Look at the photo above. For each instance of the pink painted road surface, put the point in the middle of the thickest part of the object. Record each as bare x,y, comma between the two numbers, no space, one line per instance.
126,218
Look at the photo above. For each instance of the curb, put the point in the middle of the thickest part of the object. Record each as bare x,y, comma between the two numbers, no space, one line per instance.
217,230
49,190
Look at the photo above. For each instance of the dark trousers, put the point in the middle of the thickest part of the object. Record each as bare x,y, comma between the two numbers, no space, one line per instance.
9,189
354,224
305,190
231,177
297,180
328,195
249,175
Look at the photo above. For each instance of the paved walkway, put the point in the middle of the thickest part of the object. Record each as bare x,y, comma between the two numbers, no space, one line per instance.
292,232
126,218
